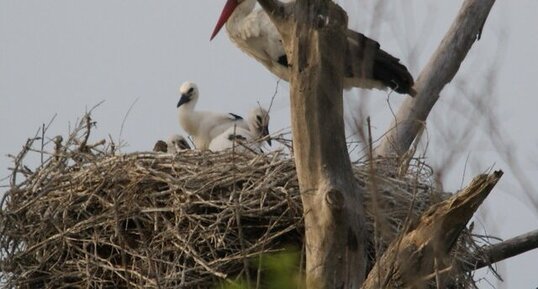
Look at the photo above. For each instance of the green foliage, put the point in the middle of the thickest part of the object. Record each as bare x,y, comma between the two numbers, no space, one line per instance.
276,271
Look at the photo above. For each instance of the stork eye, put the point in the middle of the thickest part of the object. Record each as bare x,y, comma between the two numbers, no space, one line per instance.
190,90
259,118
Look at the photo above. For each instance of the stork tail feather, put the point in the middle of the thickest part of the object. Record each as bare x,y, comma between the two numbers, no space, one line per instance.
366,60
392,73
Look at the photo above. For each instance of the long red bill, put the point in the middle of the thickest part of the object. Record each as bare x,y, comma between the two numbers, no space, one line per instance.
226,12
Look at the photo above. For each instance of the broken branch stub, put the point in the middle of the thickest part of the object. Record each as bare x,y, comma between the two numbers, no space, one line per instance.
424,249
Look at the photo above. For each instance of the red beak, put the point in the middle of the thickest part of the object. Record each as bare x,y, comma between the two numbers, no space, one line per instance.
226,12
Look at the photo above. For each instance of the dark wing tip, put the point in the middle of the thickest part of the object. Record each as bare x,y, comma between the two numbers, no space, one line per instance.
235,116
376,64
393,74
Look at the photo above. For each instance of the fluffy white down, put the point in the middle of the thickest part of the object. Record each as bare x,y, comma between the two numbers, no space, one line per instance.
177,143
242,139
203,126
236,138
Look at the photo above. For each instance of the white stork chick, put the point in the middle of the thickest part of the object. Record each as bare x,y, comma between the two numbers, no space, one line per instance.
245,139
203,126
367,66
177,143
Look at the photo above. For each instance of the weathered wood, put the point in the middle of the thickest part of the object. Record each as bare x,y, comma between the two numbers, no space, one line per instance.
424,248
440,70
334,220
334,215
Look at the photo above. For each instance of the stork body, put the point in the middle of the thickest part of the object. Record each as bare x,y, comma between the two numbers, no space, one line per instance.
203,126
254,33
367,66
245,139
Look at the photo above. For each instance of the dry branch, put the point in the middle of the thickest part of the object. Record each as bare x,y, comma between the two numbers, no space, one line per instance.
423,252
502,251
440,70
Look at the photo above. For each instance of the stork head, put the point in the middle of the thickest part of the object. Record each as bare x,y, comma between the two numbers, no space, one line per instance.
258,121
227,11
178,142
189,94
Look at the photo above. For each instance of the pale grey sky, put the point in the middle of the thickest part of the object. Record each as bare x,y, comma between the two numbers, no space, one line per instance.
63,56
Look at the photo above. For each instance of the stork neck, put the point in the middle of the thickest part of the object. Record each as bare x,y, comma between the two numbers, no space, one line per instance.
189,120
253,128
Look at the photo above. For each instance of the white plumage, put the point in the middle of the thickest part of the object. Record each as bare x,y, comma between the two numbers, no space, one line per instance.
254,33
367,66
177,143
203,126
245,139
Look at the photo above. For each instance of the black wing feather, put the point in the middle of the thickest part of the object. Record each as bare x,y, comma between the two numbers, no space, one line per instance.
235,116
367,60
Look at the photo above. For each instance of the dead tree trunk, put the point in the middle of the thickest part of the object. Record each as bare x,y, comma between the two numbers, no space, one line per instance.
314,34
331,200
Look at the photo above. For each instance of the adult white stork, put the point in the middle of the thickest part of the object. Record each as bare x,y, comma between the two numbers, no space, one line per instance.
245,139
203,126
367,66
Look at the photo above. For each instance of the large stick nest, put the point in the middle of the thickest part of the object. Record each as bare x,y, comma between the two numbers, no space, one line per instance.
90,217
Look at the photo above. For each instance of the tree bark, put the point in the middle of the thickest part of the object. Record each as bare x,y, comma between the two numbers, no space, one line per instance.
423,250
334,217
439,71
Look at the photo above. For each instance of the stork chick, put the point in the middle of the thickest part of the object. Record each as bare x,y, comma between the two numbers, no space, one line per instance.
203,126
177,143
245,139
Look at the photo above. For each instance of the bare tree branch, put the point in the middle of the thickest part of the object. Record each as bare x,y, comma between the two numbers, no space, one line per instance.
504,250
493,254
439,71
424,248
